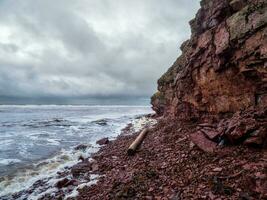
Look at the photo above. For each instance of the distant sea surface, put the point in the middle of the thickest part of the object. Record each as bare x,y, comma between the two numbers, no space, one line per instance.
32,134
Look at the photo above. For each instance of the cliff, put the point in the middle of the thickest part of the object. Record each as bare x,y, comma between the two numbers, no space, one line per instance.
221,76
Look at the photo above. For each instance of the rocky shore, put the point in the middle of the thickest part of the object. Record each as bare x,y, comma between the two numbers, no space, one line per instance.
170,166
211,108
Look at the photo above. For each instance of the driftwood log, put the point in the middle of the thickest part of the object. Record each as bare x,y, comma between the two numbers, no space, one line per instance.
137,142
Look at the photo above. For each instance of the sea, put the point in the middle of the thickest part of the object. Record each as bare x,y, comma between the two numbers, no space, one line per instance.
38,141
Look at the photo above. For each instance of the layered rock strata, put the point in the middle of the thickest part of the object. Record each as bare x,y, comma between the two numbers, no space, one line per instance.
222,72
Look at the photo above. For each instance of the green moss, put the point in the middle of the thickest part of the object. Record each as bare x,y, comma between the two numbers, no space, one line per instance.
168,77
238,24
158,96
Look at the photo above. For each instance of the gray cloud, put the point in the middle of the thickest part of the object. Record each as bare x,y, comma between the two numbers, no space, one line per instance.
89,47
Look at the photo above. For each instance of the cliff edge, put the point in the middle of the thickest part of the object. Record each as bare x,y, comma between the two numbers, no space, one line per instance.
221,76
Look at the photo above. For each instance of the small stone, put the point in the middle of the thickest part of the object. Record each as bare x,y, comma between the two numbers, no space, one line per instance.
103,141
191,145
211,196
256,141
81,168
95,167
101,122
247,166
73,182
81,158
217,169
81,147
66,182
260,175
62,183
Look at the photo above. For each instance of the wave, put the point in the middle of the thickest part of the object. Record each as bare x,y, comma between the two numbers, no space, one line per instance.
46,171
9,161
49,122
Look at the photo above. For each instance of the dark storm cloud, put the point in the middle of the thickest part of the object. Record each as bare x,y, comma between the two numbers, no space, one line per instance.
89,47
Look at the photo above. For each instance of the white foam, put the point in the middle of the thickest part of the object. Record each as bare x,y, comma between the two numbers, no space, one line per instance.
42,172
75,192
53,141
6,142
23,150
36,195
9,161
75,128
140,123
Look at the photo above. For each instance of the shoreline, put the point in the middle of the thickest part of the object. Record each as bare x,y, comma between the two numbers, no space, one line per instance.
48,173
167,166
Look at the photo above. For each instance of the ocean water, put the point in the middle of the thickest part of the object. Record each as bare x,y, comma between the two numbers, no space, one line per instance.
36,141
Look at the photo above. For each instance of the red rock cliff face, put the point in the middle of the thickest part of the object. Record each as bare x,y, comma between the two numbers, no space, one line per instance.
223,67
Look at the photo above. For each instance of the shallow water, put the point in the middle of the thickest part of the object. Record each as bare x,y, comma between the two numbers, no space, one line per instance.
36,140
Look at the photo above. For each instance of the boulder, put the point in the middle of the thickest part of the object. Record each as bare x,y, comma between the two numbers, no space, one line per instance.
248,126
202,142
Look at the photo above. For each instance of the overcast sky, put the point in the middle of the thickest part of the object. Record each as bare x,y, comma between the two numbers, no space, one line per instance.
89,47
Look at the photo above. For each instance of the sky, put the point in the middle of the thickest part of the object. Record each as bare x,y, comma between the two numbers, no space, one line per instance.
78,48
